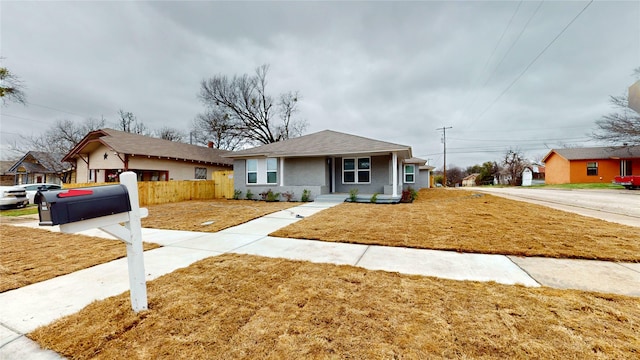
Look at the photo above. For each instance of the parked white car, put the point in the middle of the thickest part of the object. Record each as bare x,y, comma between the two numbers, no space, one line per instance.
13,196
32,189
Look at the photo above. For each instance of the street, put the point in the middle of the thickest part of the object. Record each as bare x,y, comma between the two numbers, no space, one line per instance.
621,206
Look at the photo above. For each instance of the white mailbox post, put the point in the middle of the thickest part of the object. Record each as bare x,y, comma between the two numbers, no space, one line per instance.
130,233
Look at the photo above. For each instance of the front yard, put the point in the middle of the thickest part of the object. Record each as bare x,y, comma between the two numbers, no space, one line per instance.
245,307
248,307
448,219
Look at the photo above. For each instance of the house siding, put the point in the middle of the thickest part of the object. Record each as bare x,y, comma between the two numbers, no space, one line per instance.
557,170
314,174
380,176
178,169
422,180
305,171
299,174
607,170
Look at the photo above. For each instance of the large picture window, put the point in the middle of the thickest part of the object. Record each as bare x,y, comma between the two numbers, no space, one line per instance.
592,168
356,170
409,173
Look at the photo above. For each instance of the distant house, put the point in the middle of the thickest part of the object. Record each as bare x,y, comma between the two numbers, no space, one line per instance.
102,154
39,167
6,179
470,180
329,162
591,165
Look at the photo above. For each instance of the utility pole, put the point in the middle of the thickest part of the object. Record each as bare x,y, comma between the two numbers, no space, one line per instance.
444,142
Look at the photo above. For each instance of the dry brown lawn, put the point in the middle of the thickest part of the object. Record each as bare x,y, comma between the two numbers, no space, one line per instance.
217,214
31,255
247,307
448,219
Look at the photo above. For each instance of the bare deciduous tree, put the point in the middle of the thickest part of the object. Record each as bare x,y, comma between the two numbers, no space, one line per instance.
622,126
129,123
454,176
514,164
240,107
215,126
171,134
59,139
11,87
62,136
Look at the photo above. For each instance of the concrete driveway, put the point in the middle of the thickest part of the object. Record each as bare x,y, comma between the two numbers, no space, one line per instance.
620,206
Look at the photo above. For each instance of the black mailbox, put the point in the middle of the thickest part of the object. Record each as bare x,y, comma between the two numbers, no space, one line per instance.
57,207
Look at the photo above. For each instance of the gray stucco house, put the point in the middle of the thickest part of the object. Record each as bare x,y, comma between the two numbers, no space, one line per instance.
329,162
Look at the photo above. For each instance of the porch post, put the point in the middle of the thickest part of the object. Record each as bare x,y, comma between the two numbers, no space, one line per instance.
332,172
282,171
394,165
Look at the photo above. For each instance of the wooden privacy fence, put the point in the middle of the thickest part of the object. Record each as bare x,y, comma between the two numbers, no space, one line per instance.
162,192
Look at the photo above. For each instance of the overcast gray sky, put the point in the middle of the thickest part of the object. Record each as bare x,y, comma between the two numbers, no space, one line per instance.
392,71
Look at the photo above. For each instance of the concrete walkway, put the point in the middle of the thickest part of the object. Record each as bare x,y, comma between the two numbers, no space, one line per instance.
24,309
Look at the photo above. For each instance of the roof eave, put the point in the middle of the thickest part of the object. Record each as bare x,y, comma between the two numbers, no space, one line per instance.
319,154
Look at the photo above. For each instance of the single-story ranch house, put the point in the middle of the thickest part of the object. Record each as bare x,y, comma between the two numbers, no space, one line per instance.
591,165
329,162
102,154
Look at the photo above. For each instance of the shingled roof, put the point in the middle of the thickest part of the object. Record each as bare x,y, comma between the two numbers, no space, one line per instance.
324,143
40,162
140,145
597,153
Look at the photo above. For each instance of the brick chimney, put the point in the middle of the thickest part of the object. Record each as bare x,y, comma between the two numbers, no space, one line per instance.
210,144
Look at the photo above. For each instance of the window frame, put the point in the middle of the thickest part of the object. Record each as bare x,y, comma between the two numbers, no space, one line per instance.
195,175
274,171
356,170
593,169
262,171
413,173
249,172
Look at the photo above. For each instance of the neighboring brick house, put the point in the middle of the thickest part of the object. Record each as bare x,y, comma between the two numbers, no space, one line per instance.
102,154
591,165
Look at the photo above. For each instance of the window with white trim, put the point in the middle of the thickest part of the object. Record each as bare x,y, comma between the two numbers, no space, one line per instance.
592,168
252,171
356,170
409,173
262,171
272,171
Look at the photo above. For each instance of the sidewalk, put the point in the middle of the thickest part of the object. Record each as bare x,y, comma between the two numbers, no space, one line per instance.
26,308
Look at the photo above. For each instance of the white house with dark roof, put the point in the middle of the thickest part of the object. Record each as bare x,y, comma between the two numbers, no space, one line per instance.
328,162
102,154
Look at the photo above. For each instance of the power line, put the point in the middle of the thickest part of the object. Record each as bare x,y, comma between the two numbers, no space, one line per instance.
522,140
51,108
24,118
534,60
486,65
513,44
